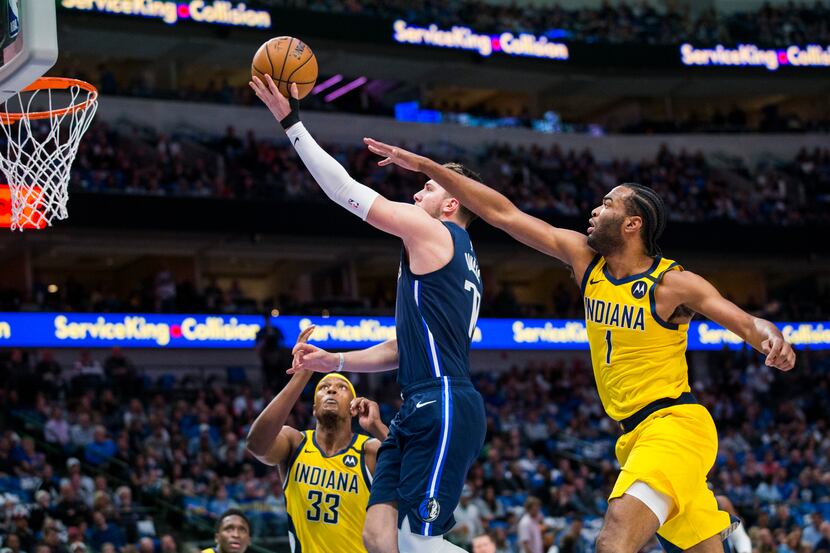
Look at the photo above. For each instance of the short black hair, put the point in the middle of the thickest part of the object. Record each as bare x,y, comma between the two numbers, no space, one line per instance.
232,512
468,215
646,203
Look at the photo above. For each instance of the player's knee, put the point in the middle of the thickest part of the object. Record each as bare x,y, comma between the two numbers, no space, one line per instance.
611,538
607,542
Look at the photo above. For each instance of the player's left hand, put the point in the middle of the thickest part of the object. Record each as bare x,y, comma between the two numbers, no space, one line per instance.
400,157
367,411
285,111
780,353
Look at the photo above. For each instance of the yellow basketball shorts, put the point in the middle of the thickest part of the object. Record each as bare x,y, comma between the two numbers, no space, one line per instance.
672,451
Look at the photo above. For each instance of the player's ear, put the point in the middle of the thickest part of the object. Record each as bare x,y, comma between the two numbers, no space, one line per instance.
633,223
451,205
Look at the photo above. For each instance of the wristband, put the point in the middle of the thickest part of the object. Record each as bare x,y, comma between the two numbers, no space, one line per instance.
341,362
293,116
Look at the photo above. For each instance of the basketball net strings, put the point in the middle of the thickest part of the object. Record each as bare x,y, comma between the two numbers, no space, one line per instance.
37,170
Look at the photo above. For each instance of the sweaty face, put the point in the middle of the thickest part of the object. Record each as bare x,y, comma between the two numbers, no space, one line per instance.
432,198
332,400
605,231
233,536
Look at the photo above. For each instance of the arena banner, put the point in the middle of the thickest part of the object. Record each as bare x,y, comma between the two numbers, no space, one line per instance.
751,55
102,330
216,12
459,37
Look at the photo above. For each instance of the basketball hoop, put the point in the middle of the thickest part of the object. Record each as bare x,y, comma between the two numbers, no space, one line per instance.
43,124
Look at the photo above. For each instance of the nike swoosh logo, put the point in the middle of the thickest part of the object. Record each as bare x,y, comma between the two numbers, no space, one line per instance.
419,404
296,140
596,281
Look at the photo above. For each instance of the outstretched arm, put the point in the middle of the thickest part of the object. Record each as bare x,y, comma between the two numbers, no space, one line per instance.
403,220
566,245
695,292
268,440
379,358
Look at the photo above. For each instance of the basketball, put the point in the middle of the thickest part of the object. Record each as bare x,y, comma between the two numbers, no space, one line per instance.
287,60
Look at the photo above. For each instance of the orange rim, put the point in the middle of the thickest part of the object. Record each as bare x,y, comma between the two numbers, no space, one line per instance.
55,83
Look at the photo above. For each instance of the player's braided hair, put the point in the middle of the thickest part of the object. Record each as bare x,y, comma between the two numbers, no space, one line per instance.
647,204
468,215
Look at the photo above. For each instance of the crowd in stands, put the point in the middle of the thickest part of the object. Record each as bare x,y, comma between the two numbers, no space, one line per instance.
366,100
544,180
107,459
612,22
162,292
166,292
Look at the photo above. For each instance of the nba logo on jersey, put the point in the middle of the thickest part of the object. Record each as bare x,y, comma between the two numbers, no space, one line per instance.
430,509
350,461
638,289
14,19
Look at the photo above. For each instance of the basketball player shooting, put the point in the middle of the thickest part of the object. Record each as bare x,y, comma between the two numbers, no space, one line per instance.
638,306
440,429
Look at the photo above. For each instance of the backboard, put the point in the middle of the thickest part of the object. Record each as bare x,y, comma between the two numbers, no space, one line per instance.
29,41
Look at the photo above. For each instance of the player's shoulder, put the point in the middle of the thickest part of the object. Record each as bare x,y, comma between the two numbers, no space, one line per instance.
684,284
370,446
294,436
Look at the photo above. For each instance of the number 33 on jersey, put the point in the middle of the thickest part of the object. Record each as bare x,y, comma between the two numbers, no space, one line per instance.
326,497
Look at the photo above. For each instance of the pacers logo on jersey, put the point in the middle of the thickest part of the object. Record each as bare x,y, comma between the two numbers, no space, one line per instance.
638,289
429,509
350,461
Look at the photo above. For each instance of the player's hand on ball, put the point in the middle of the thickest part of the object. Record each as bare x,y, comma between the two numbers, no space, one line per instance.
391,154
367,411
270,95
313,359
780,353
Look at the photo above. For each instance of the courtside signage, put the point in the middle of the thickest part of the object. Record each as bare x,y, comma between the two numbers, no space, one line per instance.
750,55
92,330
201,11
464,38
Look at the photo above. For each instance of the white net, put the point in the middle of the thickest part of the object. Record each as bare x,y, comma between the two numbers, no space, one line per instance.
43,125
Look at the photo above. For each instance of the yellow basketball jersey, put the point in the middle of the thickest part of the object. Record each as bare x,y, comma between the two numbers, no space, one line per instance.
637,356
326,497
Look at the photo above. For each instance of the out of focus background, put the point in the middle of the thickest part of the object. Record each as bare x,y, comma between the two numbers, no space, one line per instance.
142,336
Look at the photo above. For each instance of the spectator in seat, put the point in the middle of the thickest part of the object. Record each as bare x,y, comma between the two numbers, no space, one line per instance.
56,430
102,532
530,527
168,544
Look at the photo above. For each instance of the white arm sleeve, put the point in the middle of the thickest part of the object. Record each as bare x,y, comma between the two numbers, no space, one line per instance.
330,175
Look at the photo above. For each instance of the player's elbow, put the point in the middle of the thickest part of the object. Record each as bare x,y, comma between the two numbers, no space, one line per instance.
256,444
254,448
260,453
